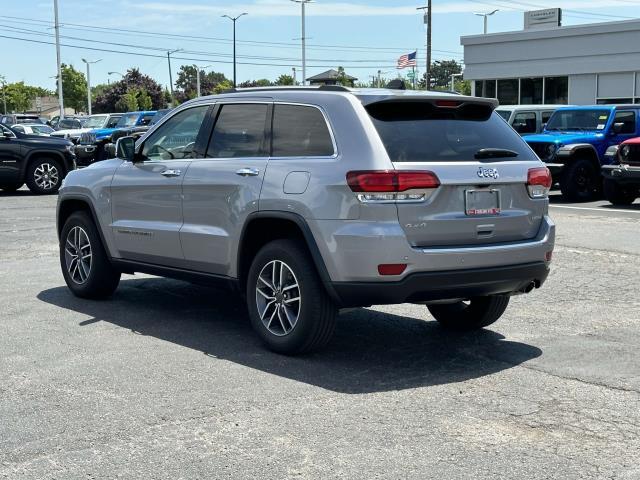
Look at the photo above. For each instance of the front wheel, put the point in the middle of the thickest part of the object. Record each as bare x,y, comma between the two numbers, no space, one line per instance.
473,314
580,181
288,305
617,194
85,264
44,176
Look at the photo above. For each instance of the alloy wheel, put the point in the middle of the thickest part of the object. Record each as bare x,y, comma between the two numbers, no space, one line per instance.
278,298
46,176
78,255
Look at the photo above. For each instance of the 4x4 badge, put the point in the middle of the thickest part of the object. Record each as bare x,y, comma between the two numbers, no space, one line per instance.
488,173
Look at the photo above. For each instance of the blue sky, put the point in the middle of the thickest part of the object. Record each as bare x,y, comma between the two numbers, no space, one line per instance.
364,36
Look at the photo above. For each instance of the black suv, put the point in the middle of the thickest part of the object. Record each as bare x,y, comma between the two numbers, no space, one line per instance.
40,162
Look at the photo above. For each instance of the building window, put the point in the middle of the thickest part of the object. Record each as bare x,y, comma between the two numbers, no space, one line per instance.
556,90
531,91
490,89
615,101
508,92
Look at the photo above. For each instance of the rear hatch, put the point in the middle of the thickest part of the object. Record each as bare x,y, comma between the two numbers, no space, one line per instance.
482,165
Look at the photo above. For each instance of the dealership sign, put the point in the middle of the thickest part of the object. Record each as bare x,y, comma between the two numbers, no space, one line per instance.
547,18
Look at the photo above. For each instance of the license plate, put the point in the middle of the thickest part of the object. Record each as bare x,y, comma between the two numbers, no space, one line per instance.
482,202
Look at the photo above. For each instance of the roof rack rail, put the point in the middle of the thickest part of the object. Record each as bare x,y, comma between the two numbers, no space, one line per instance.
330,88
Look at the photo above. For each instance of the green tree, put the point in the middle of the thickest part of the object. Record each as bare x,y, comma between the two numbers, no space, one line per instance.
342,78
285,80
463,87
128,102
144,100
74,88
110,99
441,72
222,86
186,82
20,97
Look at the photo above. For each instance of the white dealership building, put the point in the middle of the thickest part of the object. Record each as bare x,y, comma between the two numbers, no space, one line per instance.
546,63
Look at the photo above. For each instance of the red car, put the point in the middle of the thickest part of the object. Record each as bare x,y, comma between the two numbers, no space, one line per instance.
622,177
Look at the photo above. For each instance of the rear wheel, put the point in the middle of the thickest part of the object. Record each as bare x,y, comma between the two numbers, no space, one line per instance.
10,187
288,305
580,181
85,264
618,194
44,176
473,314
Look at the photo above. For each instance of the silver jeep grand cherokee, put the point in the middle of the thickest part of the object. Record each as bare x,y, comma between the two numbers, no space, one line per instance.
308,200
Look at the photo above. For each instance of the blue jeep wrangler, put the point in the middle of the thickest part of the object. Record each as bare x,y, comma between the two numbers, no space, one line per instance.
575,140
91,145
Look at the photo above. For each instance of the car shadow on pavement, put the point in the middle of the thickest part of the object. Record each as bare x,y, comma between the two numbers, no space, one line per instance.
371,351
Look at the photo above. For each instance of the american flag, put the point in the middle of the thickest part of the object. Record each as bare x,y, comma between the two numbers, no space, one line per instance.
408,60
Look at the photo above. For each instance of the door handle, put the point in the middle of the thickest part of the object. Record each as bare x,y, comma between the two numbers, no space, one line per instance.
171,173
248,172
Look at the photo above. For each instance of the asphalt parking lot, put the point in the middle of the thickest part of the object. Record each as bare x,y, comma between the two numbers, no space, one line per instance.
166,380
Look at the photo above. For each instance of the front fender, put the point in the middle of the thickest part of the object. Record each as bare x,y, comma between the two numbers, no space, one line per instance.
569,150
34,154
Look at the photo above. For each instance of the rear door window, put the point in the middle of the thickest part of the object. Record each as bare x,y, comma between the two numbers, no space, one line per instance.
239,131
421,132
300,131
525,122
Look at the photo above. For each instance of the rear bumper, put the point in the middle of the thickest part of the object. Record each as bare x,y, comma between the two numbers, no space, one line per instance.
429,286
623,174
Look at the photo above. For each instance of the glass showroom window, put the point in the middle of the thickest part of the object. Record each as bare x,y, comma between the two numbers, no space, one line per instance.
508,91
479,92
556,90
490,89
531,91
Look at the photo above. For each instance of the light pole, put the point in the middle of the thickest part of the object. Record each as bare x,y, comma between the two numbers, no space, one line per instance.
453,80
486,16
303,3
113,73
57,29
295,81
234,20
198,78
89,81
169,53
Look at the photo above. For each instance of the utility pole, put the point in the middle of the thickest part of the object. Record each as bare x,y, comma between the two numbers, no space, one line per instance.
89,82
303,3
169,53
427,22
57,29
295,82
379,78
485,17
198,83
234,20
4,95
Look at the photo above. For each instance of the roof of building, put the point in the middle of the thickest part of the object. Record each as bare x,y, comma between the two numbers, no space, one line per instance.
329,75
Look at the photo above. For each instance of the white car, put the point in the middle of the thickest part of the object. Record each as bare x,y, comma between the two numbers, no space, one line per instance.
33,129
527,119
107,120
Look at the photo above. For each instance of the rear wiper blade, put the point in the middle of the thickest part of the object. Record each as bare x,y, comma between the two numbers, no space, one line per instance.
486,153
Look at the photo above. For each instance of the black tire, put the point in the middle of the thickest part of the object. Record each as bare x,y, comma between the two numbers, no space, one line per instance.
11,187
51,181
474,314
618,194
316,313
581,181
102,279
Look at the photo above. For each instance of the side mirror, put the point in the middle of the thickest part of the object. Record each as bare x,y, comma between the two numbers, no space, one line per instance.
617,128
126,149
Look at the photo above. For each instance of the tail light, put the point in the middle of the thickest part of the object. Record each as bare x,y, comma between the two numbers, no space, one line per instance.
539,182
390,185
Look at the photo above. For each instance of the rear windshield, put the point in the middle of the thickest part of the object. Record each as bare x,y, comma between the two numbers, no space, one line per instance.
420,132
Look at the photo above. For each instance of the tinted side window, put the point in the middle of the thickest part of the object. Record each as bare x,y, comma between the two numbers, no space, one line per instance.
546,116
525,122
113,121
176,138
239,131
629,120
300,131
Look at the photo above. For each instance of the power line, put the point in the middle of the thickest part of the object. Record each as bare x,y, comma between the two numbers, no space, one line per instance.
200,38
